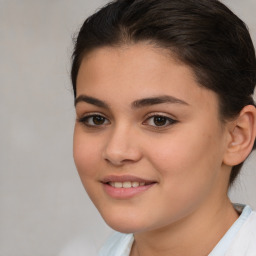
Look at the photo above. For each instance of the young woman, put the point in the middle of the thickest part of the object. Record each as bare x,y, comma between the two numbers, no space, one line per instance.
165,119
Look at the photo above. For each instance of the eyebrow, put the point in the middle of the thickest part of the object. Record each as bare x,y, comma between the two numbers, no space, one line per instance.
136,104
91,100
157,100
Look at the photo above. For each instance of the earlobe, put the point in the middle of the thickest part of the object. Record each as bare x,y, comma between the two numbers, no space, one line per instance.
242,136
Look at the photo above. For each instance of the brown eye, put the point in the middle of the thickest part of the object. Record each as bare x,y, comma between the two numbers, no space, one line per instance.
98,120
94,120
160,120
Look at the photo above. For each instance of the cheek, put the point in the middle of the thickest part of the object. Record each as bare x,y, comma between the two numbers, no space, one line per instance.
188,171
186,157
86,154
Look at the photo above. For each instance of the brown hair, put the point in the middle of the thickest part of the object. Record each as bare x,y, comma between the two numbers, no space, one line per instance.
203,34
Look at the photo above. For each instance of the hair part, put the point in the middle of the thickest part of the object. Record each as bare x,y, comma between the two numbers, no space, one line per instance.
203,34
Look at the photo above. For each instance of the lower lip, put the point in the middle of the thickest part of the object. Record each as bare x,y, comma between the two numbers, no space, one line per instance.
125,193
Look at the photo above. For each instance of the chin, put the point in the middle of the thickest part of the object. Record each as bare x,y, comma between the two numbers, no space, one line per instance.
123,229
125,225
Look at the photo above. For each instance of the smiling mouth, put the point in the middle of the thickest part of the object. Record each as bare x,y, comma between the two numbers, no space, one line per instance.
128,184
126,181
125,186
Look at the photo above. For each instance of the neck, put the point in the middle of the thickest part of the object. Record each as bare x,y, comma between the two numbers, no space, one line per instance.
194,235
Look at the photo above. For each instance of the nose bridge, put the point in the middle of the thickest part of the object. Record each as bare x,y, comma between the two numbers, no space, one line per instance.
122,145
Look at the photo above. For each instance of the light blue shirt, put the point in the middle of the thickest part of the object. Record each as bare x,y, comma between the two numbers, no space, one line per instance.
239,240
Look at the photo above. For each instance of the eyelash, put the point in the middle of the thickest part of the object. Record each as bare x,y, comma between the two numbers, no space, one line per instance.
170,121
86,119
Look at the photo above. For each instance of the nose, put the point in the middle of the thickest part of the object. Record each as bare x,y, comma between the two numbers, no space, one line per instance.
122,147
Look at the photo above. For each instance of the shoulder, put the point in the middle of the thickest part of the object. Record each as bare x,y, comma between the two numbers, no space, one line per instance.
245,240
117,245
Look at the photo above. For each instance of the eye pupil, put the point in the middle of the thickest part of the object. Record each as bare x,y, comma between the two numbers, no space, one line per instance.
159,120
98,120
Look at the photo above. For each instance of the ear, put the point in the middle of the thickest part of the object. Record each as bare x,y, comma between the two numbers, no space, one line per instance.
242,133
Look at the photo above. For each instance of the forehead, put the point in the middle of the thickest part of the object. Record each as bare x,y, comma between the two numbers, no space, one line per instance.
139,71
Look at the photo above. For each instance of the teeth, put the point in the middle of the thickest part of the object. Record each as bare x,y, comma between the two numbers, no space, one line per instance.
118,184
135,184
127,184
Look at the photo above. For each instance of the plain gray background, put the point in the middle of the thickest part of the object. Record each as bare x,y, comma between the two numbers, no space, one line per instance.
44,208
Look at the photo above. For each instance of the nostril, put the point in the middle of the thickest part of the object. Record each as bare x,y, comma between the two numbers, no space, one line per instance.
121,149
114,161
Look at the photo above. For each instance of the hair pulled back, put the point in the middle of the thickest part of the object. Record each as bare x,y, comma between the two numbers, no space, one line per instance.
204,34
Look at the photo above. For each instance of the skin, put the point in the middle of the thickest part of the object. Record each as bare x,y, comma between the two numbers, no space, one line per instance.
184,157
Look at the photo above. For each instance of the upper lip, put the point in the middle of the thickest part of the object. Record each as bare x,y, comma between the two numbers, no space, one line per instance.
123,178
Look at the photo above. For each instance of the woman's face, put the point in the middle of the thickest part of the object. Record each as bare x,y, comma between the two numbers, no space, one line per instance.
148,143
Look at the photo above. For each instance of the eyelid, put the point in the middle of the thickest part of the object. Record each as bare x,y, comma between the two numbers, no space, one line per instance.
86,116
171,120
152,114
